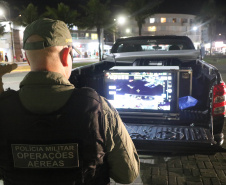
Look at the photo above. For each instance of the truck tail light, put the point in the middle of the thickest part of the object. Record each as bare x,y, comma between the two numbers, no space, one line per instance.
219,99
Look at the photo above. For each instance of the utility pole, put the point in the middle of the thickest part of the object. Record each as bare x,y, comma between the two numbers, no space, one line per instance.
102,42
11,42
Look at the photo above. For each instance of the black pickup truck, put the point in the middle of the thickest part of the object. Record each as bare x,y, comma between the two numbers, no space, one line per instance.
168,97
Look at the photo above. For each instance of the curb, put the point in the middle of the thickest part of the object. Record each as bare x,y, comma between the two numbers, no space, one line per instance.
23,66
20,70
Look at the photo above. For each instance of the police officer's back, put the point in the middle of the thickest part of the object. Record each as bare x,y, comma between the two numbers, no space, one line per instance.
53,133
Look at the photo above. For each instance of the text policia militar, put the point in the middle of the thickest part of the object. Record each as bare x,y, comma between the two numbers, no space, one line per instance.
45,156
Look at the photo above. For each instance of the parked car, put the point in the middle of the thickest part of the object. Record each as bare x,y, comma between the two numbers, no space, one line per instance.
167,96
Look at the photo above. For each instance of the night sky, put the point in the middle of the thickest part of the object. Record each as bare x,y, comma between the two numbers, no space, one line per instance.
168,6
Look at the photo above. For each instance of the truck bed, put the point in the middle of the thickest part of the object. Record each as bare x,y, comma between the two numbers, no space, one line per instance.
190,130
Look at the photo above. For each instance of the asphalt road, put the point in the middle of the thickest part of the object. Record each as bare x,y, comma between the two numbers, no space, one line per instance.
12,80
165,169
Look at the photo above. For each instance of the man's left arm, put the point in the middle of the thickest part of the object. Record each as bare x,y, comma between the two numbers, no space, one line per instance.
122,158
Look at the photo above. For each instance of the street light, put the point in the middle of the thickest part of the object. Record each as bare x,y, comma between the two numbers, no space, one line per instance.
2,13
194,28
128,30
119,21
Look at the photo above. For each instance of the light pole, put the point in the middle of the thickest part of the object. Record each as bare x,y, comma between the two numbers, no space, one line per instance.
121,20
11,41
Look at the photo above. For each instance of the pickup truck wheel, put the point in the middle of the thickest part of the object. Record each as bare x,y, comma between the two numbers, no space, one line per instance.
219,138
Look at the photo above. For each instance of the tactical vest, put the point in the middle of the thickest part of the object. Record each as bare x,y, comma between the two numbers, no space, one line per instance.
62,148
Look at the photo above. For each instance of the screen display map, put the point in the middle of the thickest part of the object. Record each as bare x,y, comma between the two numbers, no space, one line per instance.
140,90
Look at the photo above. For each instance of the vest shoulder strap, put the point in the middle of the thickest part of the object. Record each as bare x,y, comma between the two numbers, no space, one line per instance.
89,93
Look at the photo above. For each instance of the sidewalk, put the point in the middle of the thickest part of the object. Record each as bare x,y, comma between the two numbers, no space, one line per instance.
23,66
78,60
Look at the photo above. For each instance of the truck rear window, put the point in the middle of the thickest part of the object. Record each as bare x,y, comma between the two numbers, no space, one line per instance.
130,45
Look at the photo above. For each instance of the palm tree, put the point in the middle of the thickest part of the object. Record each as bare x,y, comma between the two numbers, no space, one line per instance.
97,15
141,9
210,14
63,13
5,6
27,15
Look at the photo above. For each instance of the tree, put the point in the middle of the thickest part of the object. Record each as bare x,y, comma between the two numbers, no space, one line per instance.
97,15
141,9
63,13
5,8
27,15
2,27
210,14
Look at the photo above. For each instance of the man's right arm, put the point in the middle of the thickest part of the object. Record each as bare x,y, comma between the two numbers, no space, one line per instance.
122,157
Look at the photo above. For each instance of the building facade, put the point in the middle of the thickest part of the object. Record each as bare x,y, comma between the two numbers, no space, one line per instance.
165,24
6,42
11,42
87,42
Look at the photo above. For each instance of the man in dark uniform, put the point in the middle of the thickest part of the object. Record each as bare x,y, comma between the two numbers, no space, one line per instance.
51,132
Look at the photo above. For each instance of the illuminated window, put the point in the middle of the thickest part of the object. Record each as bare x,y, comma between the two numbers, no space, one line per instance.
174,20
152,28
152,20
219,44
94,36
163,20
87,34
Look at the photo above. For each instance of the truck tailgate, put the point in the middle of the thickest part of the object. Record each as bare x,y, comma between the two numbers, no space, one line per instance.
151,138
